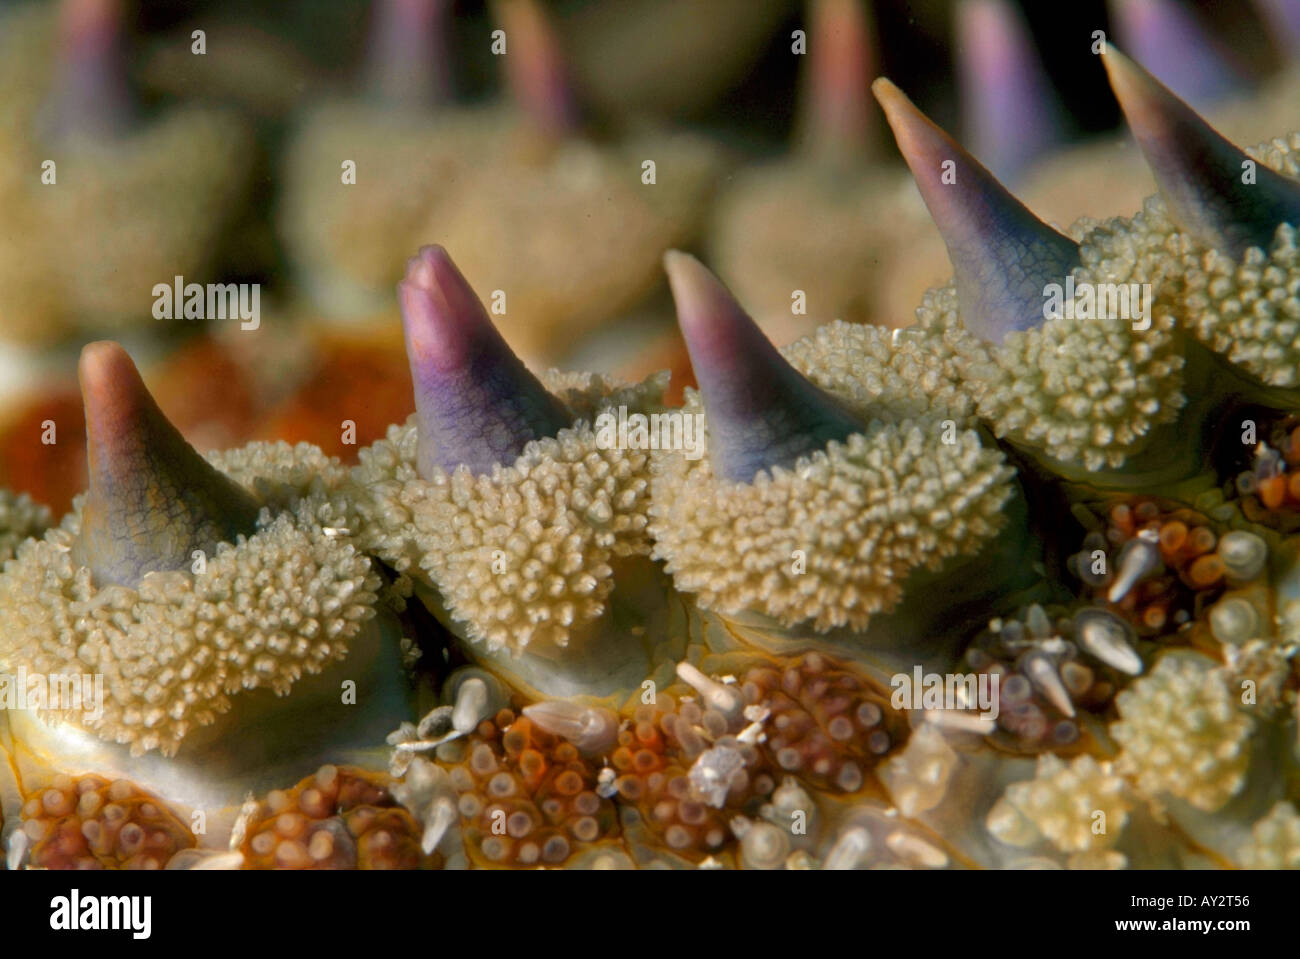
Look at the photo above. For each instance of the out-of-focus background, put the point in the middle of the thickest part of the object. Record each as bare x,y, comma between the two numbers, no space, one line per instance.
145,140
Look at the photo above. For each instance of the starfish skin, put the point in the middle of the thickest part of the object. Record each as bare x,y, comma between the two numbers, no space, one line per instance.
666,654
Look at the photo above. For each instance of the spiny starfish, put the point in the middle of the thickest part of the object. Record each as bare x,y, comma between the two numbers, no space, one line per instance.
667,653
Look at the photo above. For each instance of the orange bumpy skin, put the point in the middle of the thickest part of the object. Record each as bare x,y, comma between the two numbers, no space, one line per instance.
828,726
339,818
92,823
528,798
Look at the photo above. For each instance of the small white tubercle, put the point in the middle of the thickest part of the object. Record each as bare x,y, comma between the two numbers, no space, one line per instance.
592,729
1043,673
471,705
850,849
1139,558
725,699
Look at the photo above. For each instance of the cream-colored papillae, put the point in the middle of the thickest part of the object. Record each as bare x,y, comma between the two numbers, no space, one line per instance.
523,554
261,613
1183,732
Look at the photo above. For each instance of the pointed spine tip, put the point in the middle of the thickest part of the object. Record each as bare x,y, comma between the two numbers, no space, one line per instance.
886,92
762,412
695,287
442,318
1213,190
152,500
476,403
1003,257
102,369
714,325
117,405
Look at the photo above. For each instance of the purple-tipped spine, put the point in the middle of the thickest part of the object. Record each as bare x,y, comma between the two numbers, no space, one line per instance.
476,403
762,412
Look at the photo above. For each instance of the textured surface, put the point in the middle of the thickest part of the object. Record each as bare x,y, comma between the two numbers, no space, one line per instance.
265,611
